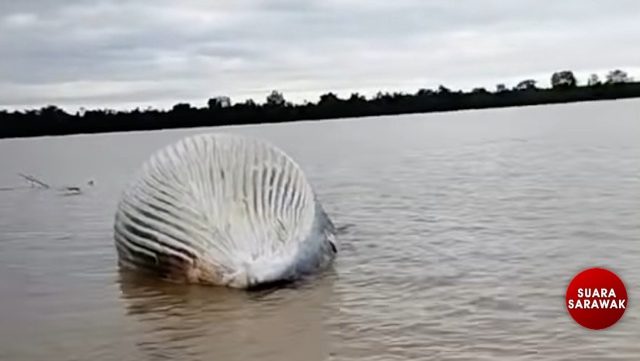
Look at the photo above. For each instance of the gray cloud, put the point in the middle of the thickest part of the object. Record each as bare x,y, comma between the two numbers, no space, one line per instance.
122,54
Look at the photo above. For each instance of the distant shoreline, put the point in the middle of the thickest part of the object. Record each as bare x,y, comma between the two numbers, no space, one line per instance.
53,121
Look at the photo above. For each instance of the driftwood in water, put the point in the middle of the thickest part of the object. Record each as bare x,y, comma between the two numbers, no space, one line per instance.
33,180
71,190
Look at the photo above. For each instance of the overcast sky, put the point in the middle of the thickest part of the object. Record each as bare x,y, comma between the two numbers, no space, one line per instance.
123,54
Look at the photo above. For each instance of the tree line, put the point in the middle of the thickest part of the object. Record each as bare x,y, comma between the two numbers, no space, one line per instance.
51,120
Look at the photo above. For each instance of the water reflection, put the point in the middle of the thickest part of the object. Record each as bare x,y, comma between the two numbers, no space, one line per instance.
181,321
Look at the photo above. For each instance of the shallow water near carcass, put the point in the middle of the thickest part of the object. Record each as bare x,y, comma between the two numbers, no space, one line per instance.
459,233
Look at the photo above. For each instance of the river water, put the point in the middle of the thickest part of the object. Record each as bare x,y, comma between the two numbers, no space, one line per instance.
459,233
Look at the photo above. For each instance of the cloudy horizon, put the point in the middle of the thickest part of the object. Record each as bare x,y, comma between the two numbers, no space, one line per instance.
126,54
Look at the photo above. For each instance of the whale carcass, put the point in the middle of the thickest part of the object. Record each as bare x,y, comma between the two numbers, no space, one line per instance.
225,210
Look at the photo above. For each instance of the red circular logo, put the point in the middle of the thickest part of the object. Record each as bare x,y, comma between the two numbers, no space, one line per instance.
596,298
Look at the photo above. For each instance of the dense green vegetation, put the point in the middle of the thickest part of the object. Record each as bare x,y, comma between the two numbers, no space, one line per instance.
52,120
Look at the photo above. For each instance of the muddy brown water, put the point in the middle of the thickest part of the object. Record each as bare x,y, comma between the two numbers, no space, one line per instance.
459,234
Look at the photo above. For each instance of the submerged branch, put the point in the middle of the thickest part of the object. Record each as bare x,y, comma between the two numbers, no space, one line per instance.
34,180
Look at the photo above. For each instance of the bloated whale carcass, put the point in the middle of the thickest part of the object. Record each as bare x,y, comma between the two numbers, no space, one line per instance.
225,210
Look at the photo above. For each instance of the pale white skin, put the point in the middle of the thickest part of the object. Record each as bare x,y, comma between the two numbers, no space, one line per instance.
225,210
